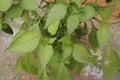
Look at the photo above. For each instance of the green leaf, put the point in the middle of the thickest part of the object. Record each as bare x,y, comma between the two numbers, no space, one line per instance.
5,4
80,53
45,53
0,21
67,50
106,12
14,12
72,23
93,39
76,66
25,42
42,74
51,40
66,39
77,2
103,35
19,64
52,28
60,72
28,4
96,6
57,12
86,13
29,64
110,63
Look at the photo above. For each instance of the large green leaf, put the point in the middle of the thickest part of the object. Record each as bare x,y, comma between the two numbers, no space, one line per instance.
25,41
5,4
72,23
29,64
87,13
110,63
93,39
82,55
52,28
103,35
57,12
13,12
45,53
28,4
60,72
77,2
106,12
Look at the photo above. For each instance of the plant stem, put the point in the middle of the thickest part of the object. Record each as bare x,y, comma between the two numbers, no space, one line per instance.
84,2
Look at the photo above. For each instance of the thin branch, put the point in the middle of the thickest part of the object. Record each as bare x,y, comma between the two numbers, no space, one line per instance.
84,2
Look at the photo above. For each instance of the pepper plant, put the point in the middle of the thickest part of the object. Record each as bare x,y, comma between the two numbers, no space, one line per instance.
49,37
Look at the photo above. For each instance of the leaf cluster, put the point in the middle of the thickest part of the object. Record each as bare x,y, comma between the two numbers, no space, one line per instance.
50,36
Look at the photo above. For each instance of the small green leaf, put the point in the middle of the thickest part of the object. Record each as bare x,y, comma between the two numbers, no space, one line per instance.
51,40
96,6
25,42
45,53
103,35
28,4
72,23
76,66
93,39
67,50
86,13
52,28
19,64
66,39
14,12
29,64
110,63
57,12
5,4
106,12
77,2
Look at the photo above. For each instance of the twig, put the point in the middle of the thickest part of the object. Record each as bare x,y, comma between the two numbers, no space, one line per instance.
84,2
